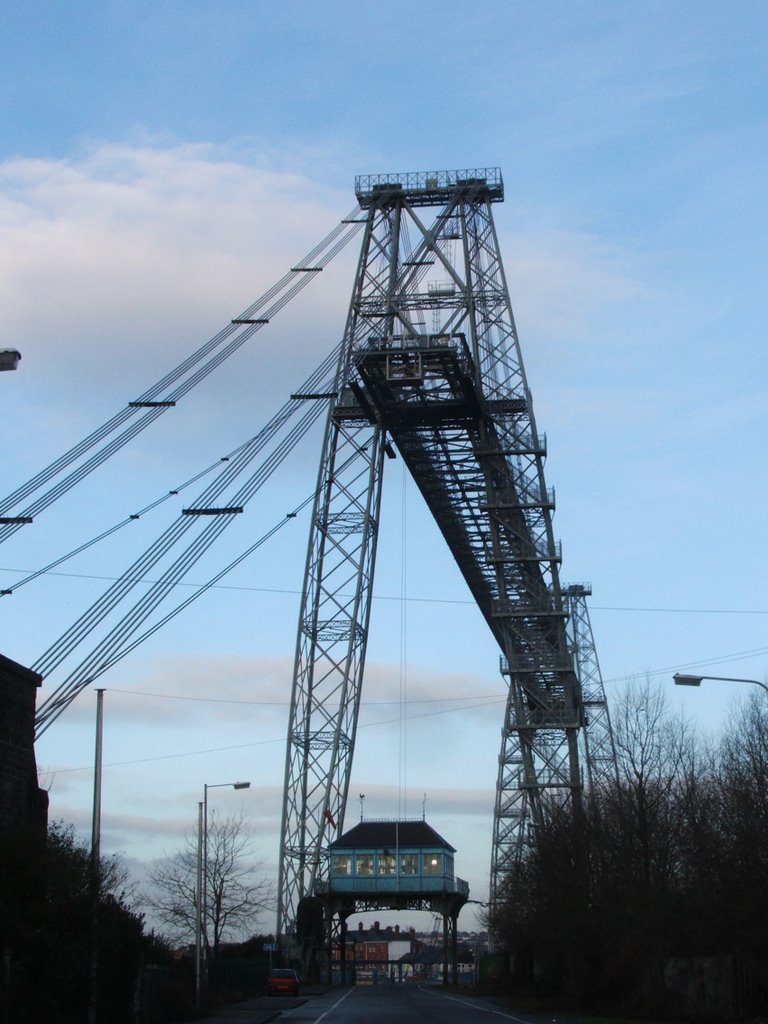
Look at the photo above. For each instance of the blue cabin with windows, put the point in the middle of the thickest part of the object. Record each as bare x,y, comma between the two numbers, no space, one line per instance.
389,857
387,865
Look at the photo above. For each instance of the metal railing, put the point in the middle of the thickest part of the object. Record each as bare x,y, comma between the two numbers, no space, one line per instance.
430,185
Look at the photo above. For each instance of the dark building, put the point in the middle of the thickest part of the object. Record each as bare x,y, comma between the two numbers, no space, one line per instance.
23,805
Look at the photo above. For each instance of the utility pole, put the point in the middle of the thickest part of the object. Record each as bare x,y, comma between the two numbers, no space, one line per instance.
95,880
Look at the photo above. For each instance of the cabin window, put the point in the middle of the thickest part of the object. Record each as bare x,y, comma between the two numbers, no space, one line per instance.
433,863
387,864
364,863
404,367
342,864
409,864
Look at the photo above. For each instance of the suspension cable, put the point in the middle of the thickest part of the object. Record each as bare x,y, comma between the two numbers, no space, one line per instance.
229,472
105,656
197,547
219,348
320,373
106,649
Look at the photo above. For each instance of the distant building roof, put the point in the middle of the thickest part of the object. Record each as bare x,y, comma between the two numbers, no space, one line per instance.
379,834
23,805
12,671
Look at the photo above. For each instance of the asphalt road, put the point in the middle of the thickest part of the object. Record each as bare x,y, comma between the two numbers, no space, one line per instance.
402,1004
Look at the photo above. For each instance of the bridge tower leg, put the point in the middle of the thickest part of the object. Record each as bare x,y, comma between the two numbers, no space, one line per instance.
336,600
598,747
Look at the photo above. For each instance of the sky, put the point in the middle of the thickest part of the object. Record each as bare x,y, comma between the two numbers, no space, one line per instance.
162,164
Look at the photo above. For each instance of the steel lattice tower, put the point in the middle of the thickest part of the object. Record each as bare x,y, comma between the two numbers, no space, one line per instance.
598,748
431,366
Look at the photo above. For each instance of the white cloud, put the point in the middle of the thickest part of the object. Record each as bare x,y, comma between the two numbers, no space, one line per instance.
117,264
565,283
178,691
141,252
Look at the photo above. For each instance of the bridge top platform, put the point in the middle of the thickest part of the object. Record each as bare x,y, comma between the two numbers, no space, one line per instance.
429,188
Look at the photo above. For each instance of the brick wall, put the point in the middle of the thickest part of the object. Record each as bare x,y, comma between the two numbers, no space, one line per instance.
23,804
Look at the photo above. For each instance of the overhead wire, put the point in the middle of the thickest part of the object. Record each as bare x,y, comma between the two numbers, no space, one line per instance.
187,698
278,739
267,306
402,780
48,570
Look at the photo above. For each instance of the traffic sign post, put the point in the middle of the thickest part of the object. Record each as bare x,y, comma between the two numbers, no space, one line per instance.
270,947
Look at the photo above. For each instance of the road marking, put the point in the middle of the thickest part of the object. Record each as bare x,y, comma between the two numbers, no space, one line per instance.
332,1008
475,1006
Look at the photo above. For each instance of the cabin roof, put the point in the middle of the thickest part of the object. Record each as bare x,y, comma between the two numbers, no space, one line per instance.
390,835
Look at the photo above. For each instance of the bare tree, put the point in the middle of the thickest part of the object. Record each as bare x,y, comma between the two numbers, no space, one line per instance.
654,751
236,891
667,860
600,891
743,784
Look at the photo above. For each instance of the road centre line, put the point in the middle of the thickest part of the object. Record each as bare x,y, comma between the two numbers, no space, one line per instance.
332,1008
475,1006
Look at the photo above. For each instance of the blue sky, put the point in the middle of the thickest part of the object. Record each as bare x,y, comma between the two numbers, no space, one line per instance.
161,164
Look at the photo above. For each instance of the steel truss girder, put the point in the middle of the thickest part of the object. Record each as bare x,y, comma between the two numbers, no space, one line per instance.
456,404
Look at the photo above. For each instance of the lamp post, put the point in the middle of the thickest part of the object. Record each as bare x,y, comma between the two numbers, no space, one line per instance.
203,855
682,679
199,906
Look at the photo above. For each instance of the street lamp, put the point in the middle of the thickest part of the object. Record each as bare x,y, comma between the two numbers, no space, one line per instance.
688,680
201,917
9,358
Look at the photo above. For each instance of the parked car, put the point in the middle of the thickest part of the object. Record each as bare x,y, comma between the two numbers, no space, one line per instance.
282,983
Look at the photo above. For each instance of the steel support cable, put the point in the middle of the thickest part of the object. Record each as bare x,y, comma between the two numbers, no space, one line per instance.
101,456
121,587
297,279
198,546
319,375
300,280
51,710
105,453
107,647
135,573
109,651
7,591
173,375
46,717
83,470
65,460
